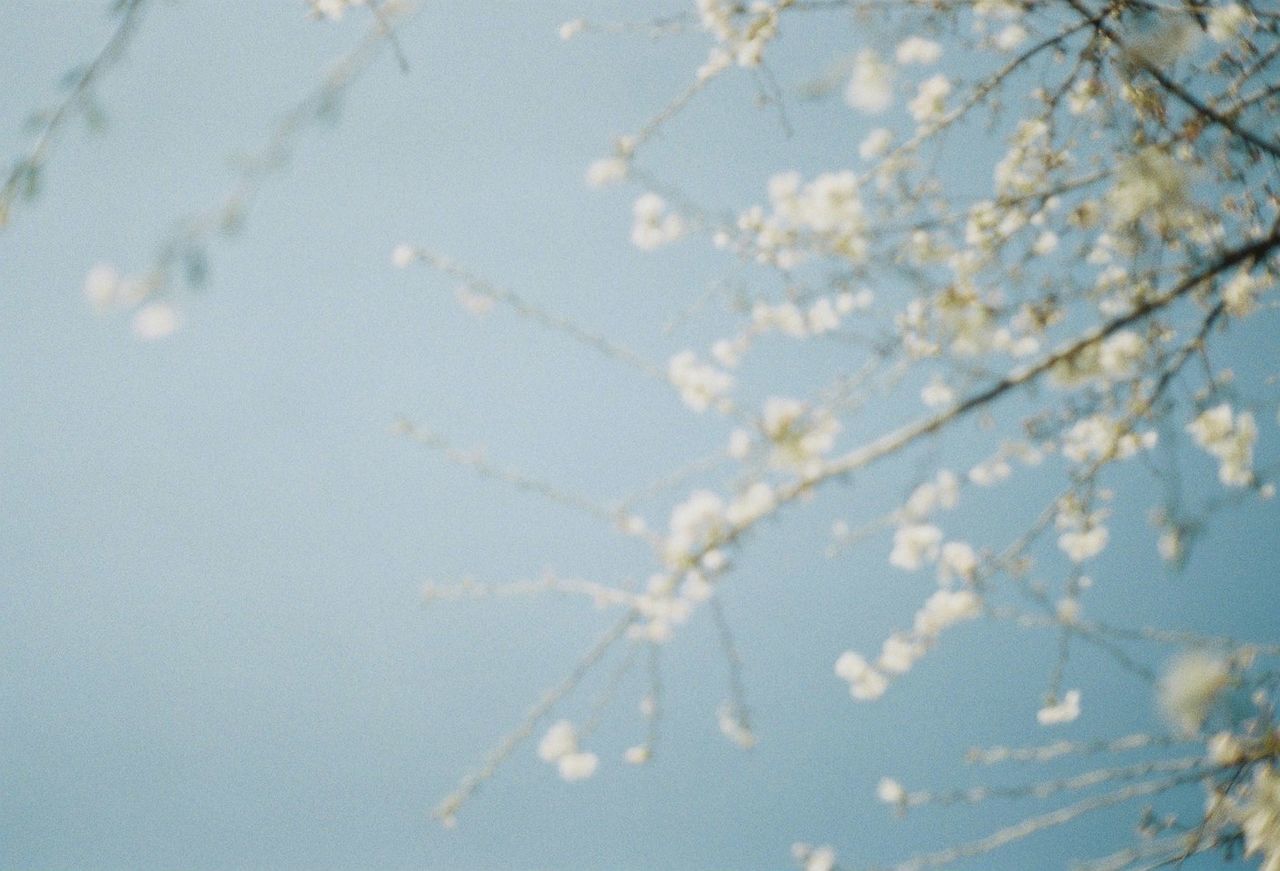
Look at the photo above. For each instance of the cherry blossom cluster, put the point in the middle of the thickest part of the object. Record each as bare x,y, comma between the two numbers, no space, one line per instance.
1229,437
107,289
559,747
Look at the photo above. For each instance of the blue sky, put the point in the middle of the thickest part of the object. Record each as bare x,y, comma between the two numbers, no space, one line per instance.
213,650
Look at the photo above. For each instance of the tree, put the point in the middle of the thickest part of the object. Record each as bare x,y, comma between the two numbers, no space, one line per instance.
1049,263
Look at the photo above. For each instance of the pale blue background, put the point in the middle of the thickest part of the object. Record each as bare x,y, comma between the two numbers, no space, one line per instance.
212,653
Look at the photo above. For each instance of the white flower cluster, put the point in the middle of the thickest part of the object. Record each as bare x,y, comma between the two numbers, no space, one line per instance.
571,28
927,106
1010,37
1259,817
917,50
791,320
703,522
865,682
942,492
914,544
962,319
1253,804
937,393
810,858
1100,437
735,727
1082,534
902,650
1240,293
1083,96
607,171
1191,686
753,503
800,436
107,289
1229,437
821,316
1116,358
1150,184
559,747
1029,159
472,301
1057,711
825,214
875,144
664,605
917,542
891,792
1227,21
744,40
870,87
331,10
700,384
1224,748
403,255
991,471
654,226
697,525
638,754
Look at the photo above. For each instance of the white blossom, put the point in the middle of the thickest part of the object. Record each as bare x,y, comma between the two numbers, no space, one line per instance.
871,86
696,524
914,544
1259,817
930,99
1084,543
1225,22
577,766
560,740
1149,183
331,10
898,653
654,225
946,608
739,444
821,859
1230,438
917,50
936,394
753,503
102,285
1225,749
1064,710
572,28
1240,293
1099,437
472,302
811,858
1010,37
734,727
638,754
890,791
800,435
865,683
403,255
607,171
875,144
1190,688
957,560
155,320
699,384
